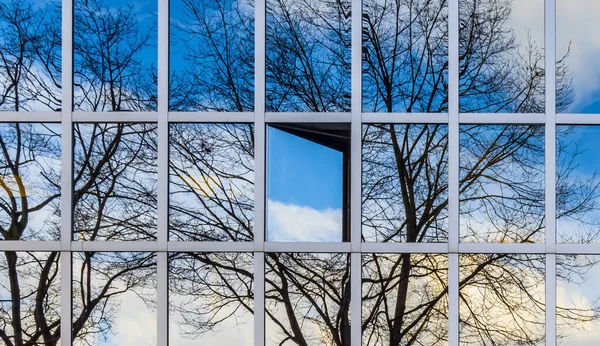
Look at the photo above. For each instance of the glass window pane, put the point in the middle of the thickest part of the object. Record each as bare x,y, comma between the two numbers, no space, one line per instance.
577,49
578,301
501,49
502,183
212,55
307,179
577,184
30,183
404,299
308,56
502,299
307,299
115,177
114,298
30,55
115,55
405,183
29,298
211,299
405,56
211,190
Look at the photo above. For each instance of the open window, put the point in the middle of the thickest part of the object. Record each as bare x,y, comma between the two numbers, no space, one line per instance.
308,182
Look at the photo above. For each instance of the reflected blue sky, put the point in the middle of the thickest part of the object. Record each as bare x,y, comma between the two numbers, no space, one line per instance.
146,14
577,38
578,153
302,172
304,189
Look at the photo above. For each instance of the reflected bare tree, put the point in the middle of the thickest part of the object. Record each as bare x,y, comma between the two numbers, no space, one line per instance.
214,43
211,182
405,194
111,68
30,56
114,198
405,173
308,56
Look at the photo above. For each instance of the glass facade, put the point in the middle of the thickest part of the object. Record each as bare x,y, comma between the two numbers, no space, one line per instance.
299,172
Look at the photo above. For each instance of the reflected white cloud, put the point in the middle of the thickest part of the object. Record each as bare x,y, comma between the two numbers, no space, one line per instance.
136,324
289,222
579,293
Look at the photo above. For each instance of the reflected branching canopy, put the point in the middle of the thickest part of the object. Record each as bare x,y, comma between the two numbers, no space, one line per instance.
405,183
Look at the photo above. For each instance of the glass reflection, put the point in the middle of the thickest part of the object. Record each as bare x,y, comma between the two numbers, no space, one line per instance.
577,184
308,56
405,55
211,190
114,55
404,299
577,50
212,55
404,183
501,49
30,55
307,179
115,173
114,299
29,298
307,299
502,299
30,181
211,297
502,183
578,301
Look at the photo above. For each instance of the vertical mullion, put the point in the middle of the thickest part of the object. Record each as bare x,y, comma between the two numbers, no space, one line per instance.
550,299
550,162
260,25
163,123
453,173
259,298
259,123
162,289
66,172
356,173
356,297
453,300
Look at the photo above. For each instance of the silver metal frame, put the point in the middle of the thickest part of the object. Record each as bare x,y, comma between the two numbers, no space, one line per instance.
260,118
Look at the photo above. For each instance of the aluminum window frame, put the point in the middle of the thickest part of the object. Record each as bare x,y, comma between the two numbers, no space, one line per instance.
356,118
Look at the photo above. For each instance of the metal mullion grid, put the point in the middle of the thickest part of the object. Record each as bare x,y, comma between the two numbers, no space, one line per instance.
356,174
66,174
32,117
211,117
453,174
550,161
162,265
260,27
453,118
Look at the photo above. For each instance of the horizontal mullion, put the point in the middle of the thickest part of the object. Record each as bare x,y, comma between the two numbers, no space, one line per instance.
175,246
404,247
584,249
211,117
578,119
114,117
502,118
405,118
307,117
115,246
21,245
500,248
306,247
31,117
